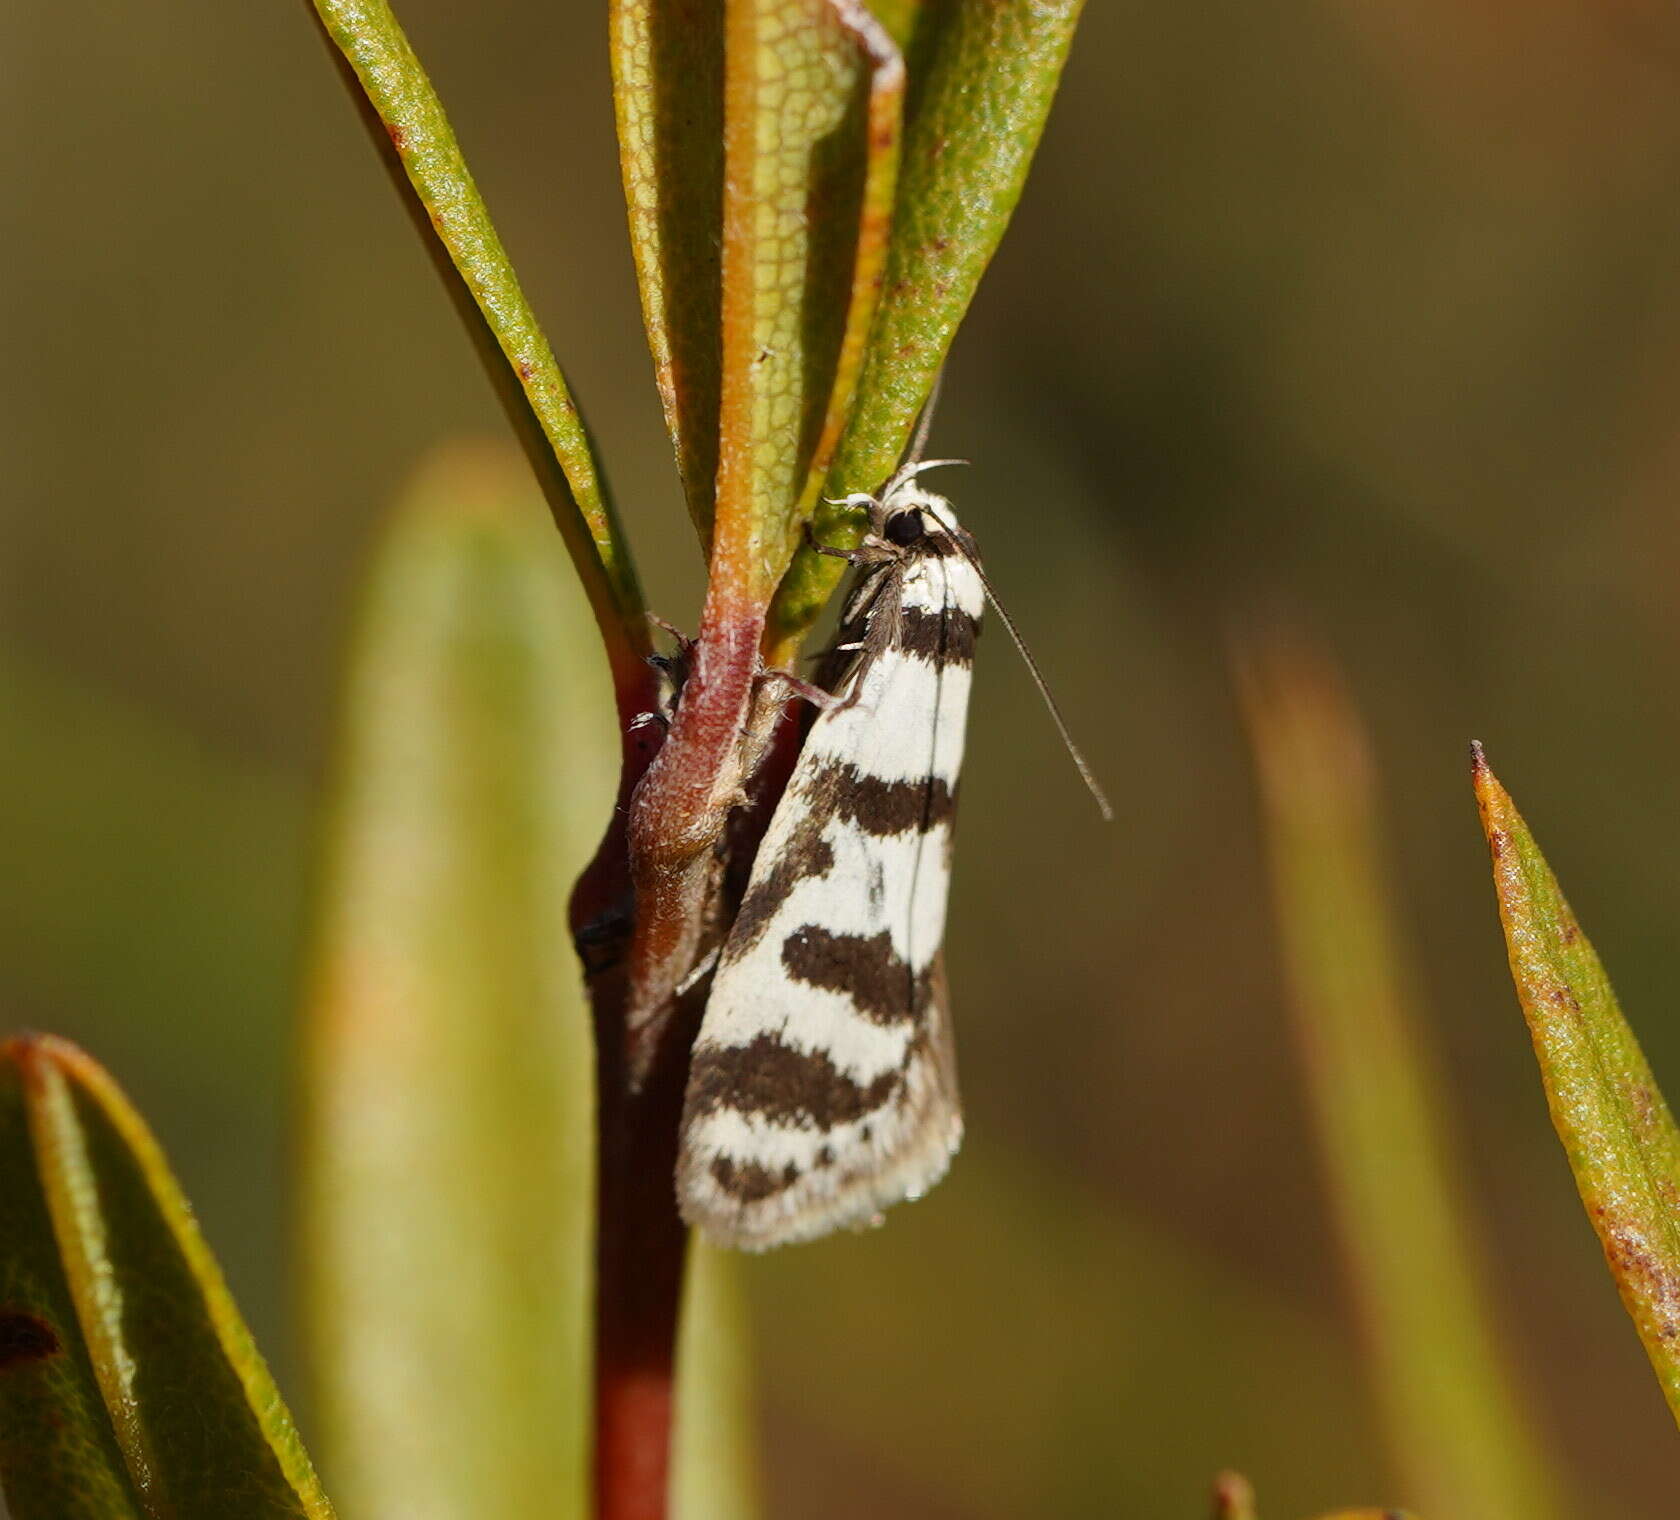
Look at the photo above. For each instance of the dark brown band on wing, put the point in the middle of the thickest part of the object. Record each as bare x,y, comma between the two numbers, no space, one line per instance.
807,855
881,808
863,967
781,1085
748,1182
945,637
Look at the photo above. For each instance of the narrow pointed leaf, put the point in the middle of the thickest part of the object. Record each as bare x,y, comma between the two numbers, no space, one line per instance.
200,1426
1455,1428
667,58
448,1073
409,126
714,1466
59,1458
1614,1123
809,86
983,74
815,92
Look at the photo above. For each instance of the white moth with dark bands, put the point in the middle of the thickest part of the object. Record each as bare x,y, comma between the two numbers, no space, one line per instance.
823,1084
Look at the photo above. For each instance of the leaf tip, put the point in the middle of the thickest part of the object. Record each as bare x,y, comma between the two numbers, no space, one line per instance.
28,1052
16,1049
1233,1497
1492,800
32,1052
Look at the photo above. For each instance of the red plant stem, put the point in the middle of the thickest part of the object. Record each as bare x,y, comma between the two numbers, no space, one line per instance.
640,1248
678,816
639,1238
659,857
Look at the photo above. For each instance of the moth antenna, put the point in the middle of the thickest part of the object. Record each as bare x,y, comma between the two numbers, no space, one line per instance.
924,423
915,467
908,471
1080,763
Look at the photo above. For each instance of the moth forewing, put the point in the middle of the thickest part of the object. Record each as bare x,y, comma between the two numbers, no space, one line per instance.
823,1084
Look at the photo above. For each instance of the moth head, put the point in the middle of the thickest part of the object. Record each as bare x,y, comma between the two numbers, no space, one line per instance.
904,526
906,512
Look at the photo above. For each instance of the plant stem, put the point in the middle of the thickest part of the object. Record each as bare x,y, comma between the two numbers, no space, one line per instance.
641,1243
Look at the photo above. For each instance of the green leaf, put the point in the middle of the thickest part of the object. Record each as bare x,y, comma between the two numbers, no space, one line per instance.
714,1466
759,145
408,124
811,98
667,58
59,1458
190,1406
1610,1115
448,1072
1455,1426
982,76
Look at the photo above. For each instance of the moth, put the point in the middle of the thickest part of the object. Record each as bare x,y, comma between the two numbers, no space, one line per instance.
823,1086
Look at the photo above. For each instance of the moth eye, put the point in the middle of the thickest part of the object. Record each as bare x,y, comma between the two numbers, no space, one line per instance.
904,528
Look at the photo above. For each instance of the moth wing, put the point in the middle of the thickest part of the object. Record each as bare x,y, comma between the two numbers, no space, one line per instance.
823,1084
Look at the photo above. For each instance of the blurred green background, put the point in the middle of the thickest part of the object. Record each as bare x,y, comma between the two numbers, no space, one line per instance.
1365,311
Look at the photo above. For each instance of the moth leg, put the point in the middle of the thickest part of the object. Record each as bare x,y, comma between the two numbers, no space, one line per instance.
673,670
683,642
880,634
815,695
832,550
874,550
702,968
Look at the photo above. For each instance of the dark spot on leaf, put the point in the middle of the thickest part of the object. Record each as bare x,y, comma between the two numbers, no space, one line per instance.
1643,1102
1496,843
398,135
25,1338
1640,1268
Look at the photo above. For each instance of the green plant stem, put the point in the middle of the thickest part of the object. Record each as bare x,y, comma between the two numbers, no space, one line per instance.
408,125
